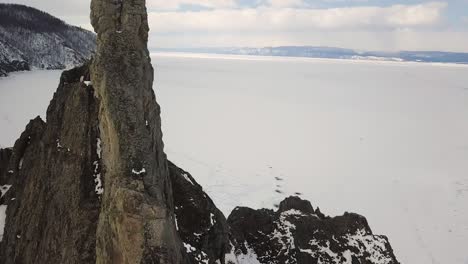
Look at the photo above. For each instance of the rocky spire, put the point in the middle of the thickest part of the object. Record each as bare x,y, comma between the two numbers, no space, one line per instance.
136,223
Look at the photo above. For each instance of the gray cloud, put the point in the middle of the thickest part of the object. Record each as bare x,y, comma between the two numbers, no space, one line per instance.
416,27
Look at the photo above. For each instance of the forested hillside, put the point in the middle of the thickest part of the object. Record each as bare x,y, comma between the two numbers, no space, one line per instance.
30,38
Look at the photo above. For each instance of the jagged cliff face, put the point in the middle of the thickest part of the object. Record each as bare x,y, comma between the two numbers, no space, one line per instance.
53,205
201,226
298,234
53,183
136,222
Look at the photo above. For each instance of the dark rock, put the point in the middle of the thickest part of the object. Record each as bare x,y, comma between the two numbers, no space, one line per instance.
54,207
201,226
136,222
296,203
5,155
297,234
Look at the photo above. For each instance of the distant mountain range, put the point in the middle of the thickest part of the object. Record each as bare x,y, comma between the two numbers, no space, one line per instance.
30,38
337,53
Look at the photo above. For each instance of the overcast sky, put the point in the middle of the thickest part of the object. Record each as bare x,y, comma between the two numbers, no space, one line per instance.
358,24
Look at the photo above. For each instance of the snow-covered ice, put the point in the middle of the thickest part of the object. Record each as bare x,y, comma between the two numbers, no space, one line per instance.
23,96
388,140
2,220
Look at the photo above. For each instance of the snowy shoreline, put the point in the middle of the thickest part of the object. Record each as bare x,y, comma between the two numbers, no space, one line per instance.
299,59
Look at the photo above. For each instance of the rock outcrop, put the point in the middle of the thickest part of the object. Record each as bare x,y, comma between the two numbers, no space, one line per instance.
54,201
5,155
136,222
92,184
297,233
201,226
53,183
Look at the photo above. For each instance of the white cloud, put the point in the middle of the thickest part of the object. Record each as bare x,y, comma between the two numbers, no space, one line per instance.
415,15
175,4
267,19
288,22
285,3
361,40
398,27
465,19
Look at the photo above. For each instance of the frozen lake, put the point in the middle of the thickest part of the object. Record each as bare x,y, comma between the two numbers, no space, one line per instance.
386,140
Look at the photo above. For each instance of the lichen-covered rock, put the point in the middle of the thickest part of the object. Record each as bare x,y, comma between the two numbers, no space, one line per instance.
53,205
201,226
296,233
136,224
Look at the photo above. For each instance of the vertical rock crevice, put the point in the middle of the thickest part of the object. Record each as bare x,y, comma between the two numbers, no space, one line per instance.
136,222
52,207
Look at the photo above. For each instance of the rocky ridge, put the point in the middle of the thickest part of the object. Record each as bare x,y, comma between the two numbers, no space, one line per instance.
92,184
32,39
297,233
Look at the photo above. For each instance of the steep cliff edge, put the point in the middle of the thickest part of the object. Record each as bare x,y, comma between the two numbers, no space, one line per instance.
53,185
136,221
53,202
92,184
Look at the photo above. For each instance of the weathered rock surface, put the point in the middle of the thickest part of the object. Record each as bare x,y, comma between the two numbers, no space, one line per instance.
136,223
5,155
297,233
52,182
201,226
53,205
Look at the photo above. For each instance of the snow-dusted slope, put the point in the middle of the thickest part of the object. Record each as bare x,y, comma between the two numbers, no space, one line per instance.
30,38
298,234
11,59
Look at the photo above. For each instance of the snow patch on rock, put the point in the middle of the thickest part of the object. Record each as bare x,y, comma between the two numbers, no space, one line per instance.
284,231
4,189
240,258
187,178
369,244
139,172
98,147
99,188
